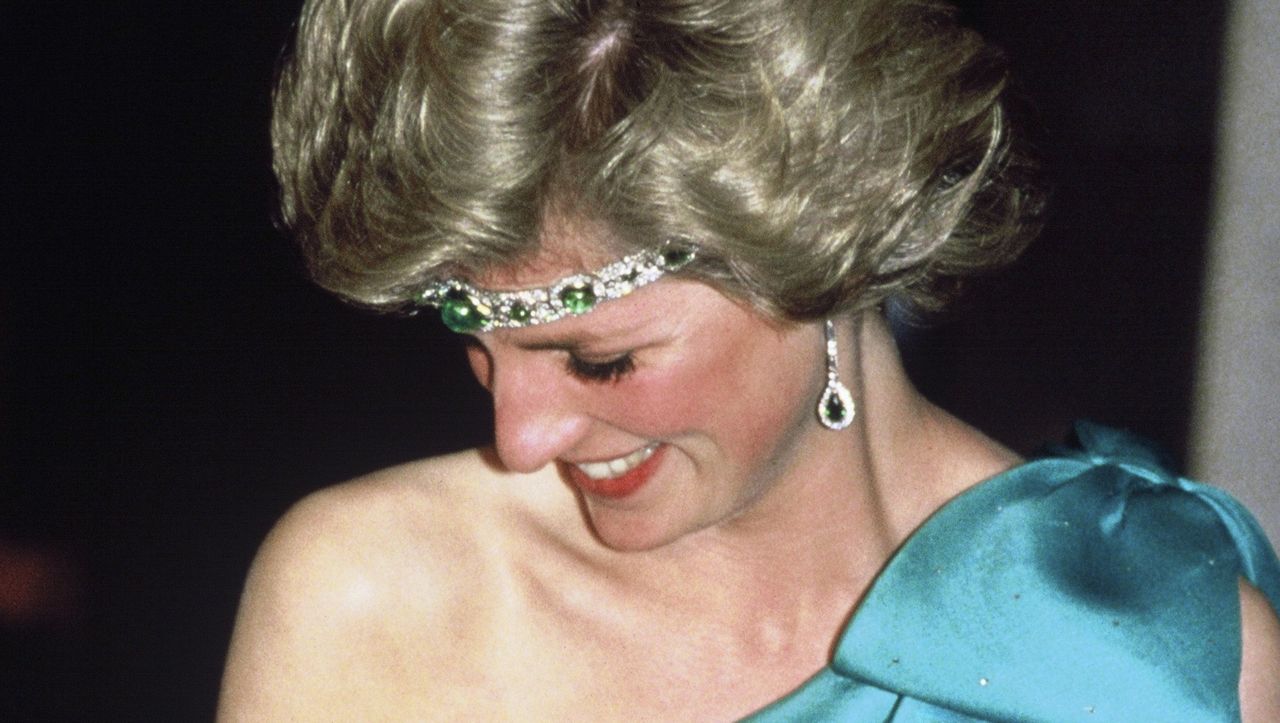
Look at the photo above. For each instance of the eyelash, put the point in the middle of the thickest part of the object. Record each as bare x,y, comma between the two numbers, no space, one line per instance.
608,371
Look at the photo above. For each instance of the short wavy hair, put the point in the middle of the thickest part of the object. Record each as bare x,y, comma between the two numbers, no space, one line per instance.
823,155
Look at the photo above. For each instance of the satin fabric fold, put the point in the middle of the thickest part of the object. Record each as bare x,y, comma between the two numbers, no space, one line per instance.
1091,585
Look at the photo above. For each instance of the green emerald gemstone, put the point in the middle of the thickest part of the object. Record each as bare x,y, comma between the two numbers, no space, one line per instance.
459,313
519,313
835,409
579,298
676,256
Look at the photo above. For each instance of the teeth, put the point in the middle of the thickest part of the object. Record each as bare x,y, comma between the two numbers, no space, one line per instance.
617,467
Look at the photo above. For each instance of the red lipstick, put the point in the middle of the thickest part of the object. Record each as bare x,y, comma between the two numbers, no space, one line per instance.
617,487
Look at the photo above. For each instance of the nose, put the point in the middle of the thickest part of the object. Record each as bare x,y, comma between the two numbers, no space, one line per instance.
536,417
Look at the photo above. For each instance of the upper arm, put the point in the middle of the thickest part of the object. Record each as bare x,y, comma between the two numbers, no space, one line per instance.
300,597
365,600
1260,657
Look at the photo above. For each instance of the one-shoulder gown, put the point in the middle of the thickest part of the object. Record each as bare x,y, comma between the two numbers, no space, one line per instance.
1088,585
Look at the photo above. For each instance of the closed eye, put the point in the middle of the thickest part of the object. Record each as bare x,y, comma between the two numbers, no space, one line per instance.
606,371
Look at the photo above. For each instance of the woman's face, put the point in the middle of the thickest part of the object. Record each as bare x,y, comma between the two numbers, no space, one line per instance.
671,410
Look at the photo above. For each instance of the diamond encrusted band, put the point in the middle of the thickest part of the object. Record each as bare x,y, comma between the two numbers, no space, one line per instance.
467,309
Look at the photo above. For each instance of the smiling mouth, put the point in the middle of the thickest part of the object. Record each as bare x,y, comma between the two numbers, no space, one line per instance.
614,468
617,478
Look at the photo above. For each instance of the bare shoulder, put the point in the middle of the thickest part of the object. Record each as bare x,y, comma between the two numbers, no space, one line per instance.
352,532
1260,659
399,571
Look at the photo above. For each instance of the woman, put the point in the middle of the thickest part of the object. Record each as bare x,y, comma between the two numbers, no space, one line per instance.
667,230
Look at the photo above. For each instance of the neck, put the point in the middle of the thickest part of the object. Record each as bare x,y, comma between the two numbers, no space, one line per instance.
851,497
789,570
852,489
815,541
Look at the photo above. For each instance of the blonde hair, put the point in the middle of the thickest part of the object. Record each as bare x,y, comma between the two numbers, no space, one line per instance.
822,154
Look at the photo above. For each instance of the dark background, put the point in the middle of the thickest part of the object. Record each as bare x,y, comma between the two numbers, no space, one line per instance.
169,382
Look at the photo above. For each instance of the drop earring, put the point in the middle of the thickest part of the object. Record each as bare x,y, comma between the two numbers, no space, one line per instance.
835,407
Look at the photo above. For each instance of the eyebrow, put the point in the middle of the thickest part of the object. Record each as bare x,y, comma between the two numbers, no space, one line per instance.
550,345
549,339
562,342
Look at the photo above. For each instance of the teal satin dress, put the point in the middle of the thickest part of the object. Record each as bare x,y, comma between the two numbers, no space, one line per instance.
1091,585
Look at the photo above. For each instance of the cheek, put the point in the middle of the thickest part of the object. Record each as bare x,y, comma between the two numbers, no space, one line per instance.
769,402
746,396
663,403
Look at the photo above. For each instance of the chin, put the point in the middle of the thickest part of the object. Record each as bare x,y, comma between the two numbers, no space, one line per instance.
631,530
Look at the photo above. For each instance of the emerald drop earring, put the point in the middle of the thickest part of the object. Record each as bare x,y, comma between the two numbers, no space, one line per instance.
835,407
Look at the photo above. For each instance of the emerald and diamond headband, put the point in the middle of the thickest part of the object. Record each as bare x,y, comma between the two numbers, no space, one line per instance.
469,309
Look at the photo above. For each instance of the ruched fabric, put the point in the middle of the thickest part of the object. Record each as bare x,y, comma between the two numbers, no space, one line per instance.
1089,585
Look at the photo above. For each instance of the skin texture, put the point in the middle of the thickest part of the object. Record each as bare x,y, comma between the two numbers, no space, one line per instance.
484,586
719,459
1260,658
